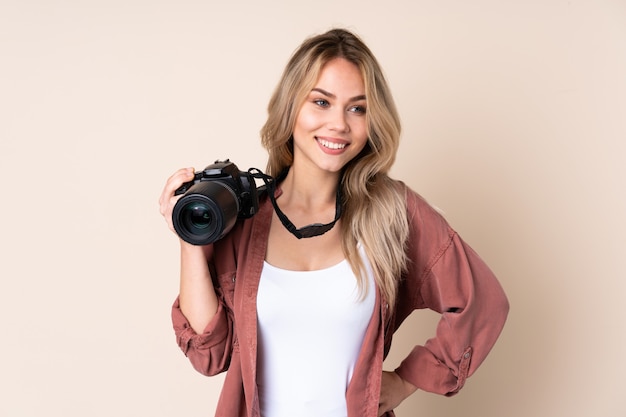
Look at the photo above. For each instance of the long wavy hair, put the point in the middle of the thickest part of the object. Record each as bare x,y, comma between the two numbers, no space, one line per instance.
374,205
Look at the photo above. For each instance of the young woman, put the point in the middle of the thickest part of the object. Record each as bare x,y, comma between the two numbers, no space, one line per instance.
302,319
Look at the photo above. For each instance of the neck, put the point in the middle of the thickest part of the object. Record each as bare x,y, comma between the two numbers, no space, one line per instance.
303,210
311,190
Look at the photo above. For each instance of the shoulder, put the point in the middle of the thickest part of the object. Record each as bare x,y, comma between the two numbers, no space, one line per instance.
245,227
249,233
430,234
419,210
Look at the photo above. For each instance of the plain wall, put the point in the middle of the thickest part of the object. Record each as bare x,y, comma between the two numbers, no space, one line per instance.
514,126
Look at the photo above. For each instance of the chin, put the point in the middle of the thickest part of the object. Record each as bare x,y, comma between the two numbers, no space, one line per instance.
333,168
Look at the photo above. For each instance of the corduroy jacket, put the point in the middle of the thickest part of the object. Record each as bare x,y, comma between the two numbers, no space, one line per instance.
444,274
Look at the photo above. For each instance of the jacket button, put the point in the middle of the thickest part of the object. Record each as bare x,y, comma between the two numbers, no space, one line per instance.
467,355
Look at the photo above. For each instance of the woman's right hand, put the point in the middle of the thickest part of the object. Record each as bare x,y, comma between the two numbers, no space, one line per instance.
168,200
198,301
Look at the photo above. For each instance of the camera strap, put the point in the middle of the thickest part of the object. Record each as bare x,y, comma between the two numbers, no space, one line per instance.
312,230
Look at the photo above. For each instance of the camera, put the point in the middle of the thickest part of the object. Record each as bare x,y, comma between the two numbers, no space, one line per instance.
213,201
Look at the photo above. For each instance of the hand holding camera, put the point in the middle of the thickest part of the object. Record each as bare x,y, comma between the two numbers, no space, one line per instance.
211,203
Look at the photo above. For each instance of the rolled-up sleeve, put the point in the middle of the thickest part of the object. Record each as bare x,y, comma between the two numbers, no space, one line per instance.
210,351
455,282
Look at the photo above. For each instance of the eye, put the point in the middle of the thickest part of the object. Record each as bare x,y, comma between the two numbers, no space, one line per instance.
357,109
321,102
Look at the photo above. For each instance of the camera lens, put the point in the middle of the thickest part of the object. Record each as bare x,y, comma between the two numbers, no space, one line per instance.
196,215
205,213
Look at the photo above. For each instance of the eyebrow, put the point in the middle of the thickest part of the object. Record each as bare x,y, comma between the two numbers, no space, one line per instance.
331,95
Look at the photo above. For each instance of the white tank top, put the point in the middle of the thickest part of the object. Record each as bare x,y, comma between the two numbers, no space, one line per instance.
311,326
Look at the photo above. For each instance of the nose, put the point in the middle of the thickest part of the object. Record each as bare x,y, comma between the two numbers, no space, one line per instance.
338,121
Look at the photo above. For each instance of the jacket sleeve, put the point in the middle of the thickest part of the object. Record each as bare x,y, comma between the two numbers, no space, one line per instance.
447,276
209,352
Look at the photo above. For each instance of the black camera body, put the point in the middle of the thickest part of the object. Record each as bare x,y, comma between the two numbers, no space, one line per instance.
212,202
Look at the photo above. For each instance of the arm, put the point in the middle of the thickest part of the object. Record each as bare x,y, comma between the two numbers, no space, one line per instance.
198,300
197,295
393,390
200,322
447,276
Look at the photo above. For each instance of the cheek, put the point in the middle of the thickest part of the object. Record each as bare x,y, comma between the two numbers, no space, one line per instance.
360,131
361,144
305,122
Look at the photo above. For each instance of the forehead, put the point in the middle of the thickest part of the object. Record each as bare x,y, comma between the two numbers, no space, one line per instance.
341,76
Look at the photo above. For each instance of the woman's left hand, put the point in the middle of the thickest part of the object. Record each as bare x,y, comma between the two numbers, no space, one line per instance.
393,390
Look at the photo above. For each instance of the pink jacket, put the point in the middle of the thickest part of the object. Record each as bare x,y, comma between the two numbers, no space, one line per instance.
444,275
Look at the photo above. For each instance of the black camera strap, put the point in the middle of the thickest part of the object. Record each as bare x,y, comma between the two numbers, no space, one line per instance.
312,230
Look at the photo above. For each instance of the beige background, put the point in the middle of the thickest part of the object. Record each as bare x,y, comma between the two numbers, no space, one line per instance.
514,125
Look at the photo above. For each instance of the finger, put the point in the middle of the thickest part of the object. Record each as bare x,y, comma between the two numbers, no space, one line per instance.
168,200
178,178
174,182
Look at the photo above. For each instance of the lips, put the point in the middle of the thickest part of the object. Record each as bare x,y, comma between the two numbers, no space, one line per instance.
331,145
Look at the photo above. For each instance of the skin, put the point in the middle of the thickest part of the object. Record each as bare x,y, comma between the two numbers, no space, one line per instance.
198,300
330,130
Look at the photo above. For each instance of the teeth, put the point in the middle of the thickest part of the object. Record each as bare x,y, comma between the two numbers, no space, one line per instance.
331,145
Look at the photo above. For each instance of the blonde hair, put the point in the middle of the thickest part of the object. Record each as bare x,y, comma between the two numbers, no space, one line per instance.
374,205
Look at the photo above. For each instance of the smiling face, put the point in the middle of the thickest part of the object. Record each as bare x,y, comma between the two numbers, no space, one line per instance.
331,126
